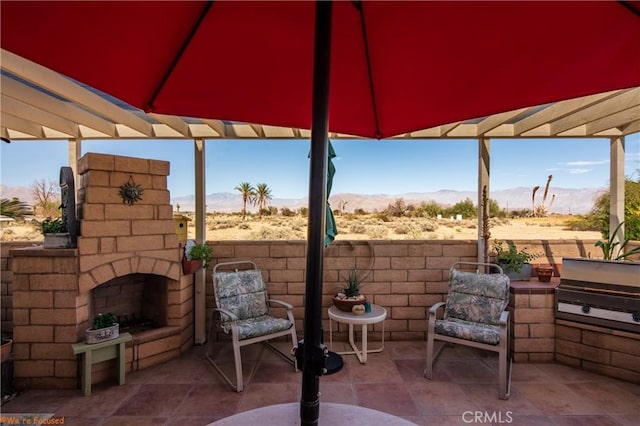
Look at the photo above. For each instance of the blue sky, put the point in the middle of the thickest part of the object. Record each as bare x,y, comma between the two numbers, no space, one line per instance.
363,166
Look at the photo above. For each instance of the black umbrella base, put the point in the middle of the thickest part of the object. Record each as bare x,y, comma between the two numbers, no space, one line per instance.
334,363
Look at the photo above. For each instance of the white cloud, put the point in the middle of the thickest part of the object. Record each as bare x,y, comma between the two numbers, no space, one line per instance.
578,171
586,163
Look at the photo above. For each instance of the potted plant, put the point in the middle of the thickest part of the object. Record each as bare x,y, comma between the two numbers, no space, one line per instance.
55,233
514,262
350,295
104,327
196,256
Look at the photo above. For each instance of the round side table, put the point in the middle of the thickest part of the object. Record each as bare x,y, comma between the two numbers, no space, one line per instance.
377,314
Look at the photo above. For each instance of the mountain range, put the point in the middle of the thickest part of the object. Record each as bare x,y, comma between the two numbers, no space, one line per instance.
567,200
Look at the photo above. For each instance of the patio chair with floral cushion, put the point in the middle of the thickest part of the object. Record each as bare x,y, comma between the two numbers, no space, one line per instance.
475,314
243,311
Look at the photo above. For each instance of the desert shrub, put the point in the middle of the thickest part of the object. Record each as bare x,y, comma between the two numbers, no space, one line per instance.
303,211
415,233
398,208
384,217
429,226
428,209
497,221
378,232
267,211
266,233
402,229
495,210
520,213
244,226
600,213
581,223
466,208
287,212
222,225
359,211
357,228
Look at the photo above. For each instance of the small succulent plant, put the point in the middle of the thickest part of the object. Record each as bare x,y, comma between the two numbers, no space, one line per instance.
353,284
104,320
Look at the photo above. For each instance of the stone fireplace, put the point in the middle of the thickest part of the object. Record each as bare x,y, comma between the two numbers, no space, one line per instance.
127,261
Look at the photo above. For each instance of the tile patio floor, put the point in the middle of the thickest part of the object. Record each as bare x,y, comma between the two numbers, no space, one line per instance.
188,391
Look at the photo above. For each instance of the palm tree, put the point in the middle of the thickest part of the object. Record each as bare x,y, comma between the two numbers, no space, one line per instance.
248,193
14,208
263,195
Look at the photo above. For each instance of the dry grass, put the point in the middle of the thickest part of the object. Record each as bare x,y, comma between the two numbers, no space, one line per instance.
374,227
350,227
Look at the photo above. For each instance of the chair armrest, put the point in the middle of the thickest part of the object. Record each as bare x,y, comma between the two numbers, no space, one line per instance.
231,315
434,308
281,303
504,318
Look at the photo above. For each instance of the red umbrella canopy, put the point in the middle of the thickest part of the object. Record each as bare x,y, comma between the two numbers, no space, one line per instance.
396,66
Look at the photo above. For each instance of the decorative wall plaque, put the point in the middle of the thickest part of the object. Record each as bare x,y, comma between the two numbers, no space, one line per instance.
130,192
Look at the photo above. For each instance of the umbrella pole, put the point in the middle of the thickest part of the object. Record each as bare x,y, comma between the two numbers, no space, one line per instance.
315,353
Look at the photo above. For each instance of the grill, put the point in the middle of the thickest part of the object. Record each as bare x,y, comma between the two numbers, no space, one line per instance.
600,292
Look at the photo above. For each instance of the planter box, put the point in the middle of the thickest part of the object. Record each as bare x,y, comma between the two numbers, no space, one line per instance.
523,275
102,334
58,240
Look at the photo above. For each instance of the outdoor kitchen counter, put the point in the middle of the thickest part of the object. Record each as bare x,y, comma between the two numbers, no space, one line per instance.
533,286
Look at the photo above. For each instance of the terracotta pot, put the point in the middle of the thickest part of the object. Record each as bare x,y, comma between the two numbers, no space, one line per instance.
191,266
347,305
544,272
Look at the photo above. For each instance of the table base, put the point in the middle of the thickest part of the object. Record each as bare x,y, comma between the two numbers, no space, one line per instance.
360,353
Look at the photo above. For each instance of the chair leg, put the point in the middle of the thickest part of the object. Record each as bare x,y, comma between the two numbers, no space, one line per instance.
504,373
239,385
238,363
428,372
294,342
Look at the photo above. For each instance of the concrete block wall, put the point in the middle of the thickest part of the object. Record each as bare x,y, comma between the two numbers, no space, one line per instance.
6,284
601,350
45,301
407,277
